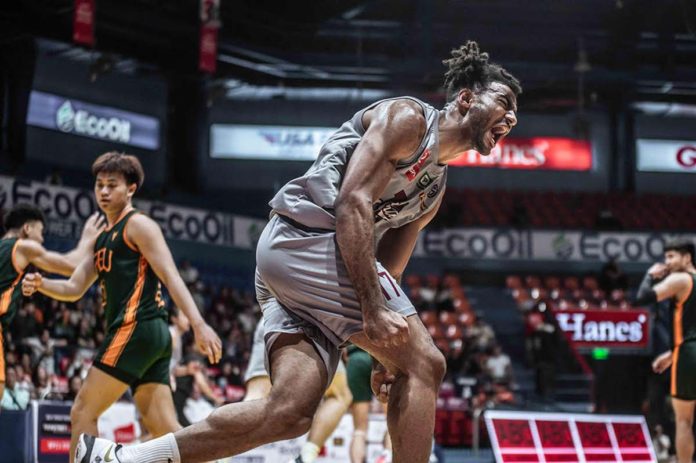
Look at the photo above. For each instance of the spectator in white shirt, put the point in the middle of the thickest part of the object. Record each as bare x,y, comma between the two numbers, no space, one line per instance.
14,398
499,366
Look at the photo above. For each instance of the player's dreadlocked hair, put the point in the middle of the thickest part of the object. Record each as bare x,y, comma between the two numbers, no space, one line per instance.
469,68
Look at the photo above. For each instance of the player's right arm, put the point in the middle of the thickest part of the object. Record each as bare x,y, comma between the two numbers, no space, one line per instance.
32,252
393,132
63,290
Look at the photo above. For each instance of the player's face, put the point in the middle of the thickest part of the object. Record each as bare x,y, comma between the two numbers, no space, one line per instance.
34,231
676,261
112,192
492,114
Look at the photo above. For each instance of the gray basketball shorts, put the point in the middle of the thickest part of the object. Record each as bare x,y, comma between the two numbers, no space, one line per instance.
257,359
303,287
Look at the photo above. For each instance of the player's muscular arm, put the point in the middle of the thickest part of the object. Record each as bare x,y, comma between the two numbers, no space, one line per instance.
31,252
675,285
147,236
394,131
396,246
63,290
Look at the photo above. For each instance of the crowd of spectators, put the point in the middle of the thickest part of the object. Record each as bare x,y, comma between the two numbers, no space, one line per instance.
49,345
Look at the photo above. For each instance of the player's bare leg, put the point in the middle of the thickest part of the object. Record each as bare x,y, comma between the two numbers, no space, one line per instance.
155,403
684,417
419,368
98,392
236,428
335,404
358,445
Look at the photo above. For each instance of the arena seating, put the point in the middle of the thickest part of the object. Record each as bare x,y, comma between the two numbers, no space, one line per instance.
568,210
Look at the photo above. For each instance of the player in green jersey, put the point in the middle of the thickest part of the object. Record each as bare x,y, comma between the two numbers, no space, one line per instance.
130,260
21,246
675,280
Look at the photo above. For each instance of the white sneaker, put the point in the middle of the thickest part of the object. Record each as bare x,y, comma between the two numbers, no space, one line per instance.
92,449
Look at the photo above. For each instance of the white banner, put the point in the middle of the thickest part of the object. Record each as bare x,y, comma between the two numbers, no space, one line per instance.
67,208
280,143
336,449
543,245
666,155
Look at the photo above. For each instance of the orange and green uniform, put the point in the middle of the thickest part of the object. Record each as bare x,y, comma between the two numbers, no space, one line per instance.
137,347
683,381
10,291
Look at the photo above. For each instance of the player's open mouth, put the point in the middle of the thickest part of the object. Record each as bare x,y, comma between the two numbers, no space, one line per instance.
496,133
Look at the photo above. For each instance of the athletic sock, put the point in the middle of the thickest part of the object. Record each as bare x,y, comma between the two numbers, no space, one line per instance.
310,452
161,450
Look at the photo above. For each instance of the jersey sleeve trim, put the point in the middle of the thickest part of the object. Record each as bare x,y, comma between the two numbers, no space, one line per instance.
14,258
127,240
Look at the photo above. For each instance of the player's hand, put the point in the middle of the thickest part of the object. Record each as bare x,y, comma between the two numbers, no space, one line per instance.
207,342
31,283
386,328
93,227
661,363
658,271
381,382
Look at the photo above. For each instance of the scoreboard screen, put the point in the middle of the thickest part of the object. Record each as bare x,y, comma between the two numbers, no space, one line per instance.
531,437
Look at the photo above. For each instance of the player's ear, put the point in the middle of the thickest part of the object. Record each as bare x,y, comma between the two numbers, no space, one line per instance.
464,99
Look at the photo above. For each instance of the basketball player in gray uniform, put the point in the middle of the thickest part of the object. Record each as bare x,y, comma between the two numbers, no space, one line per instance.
329,264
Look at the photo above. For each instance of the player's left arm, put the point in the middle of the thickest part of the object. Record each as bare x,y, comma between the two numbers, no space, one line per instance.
397,244
675,285
147,236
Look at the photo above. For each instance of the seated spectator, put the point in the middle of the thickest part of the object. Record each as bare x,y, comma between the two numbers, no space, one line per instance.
43,388
499,366
73,387
14,397
188,272
611,277
480,334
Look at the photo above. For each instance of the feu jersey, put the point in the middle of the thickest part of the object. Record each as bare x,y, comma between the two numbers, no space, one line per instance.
10,276
131,292
685,317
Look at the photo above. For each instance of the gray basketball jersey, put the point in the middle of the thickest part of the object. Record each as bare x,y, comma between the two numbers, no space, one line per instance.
412,191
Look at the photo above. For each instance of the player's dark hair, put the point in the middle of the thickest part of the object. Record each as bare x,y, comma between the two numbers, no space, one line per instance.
469,68
21,214
682,246
120,163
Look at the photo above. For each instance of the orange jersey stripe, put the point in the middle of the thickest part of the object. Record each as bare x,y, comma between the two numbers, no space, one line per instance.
6,297
673,382
2,359
124,333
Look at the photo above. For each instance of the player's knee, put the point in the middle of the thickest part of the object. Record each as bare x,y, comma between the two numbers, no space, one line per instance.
80,412
434,366
290,419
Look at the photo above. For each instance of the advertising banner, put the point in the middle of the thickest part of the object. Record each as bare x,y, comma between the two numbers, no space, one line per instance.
538,153
568,437
544,245
83,22
71,116
270,142
336,449
52,430
210,23
666,155
625,329
67,208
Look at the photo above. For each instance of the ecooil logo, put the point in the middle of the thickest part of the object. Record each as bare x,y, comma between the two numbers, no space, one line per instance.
84,123
562,247
65,117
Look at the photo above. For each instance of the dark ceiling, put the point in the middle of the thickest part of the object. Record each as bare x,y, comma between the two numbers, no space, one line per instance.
627,49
